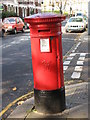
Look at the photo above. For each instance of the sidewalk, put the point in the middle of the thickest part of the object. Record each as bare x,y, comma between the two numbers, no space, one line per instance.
76,105
76,98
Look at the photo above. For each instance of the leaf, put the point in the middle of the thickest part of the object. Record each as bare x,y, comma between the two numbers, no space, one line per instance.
14,89
20,102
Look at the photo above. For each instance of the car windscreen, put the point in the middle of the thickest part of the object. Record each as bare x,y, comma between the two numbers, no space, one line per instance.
9,20
79,14
76,20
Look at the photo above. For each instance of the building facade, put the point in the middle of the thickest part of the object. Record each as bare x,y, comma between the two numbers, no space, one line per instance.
22,8
69,6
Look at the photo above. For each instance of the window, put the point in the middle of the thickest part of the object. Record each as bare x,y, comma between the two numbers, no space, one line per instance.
9,20
17,20
76,20
20,20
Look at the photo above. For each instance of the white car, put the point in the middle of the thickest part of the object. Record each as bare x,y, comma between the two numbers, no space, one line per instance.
75,24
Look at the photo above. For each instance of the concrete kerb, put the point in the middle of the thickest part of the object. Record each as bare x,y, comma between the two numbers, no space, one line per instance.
76,101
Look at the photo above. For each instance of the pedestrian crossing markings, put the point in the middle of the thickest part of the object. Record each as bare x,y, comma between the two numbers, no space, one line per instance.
79,64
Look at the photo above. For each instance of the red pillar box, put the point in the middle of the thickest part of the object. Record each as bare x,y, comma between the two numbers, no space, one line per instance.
47,61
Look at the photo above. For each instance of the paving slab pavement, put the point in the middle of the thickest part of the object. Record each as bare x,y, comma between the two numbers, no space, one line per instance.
76,105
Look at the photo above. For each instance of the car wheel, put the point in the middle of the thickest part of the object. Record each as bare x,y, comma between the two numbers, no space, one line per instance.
15,31
3,33
23,30
66,31
85,29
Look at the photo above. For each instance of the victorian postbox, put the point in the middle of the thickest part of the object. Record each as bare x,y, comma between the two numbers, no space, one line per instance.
47,62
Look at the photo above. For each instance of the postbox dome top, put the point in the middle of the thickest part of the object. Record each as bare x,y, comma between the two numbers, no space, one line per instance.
44,18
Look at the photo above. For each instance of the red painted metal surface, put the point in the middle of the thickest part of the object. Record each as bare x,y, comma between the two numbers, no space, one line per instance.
47,66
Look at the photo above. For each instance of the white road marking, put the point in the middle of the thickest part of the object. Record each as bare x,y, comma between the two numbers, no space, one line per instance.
69,58
6,46
80,53
78,68
78,44
73,51
17,42
67,39
80,62
83,54
72,54
23,39
13,42
75,48
81,58
66,63
65,68
76,75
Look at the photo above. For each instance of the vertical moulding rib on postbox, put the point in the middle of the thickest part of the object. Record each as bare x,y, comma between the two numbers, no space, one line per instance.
60,80
61,58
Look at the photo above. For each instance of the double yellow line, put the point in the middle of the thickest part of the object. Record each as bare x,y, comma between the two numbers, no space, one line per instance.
15,101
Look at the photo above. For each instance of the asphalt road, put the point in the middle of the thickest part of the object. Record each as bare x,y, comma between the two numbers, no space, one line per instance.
17,76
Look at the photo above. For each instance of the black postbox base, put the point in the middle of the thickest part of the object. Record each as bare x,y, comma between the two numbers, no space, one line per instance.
50,101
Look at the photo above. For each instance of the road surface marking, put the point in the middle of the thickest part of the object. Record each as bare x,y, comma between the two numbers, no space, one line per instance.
15,101
83,54
72,54
73,51
13,42
69,58
67,39
75,48
80,62
6,46
66,63
81,58
76,75
25,39
65,68
78,44
78,68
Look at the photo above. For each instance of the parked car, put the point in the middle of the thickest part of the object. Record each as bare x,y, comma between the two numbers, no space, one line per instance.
75,24
84,16
0,27
13,24
26,25
86,20
3,30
